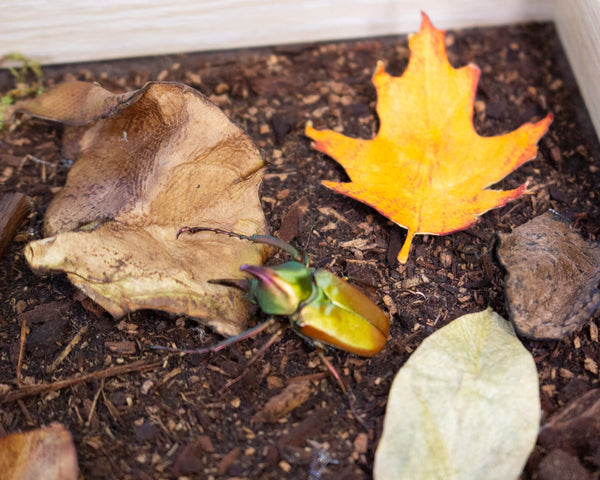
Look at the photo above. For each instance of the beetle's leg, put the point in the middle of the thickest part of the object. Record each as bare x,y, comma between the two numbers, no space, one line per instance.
256,357
332,370
338,379
221,345
266,239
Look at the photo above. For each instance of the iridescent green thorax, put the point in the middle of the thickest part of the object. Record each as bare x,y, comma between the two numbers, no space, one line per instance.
280,289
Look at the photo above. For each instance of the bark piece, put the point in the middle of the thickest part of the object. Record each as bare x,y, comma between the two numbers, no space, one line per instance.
576,427
559,465
14,207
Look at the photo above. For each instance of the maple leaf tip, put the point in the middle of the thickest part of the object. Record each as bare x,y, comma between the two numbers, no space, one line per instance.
425,19
426,23
547,120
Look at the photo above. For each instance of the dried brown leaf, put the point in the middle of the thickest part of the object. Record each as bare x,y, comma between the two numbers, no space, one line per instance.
552,277
75,103
150,162
46,453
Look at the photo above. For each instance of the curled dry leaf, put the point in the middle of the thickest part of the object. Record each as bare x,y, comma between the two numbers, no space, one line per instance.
552,277
148,163
46,453
427,169
465,405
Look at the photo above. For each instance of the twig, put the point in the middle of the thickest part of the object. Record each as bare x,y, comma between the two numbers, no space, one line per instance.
21,350
94,403
25,412
139,366
114,413
67,349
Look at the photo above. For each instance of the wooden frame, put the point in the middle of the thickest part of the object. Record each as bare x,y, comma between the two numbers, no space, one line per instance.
61,31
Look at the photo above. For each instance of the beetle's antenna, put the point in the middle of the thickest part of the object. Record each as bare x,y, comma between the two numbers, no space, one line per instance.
338,379
266,239
256,357
221,345
305,259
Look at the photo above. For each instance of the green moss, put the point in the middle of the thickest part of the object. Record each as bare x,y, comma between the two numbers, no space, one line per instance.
28,79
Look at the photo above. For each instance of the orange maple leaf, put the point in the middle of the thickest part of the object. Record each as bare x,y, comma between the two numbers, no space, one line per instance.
427,169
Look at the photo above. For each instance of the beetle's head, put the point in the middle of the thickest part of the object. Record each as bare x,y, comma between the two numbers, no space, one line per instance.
279,290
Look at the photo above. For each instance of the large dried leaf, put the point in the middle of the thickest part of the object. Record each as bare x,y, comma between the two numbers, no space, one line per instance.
464,406
46,453
427,169
552,277
150,162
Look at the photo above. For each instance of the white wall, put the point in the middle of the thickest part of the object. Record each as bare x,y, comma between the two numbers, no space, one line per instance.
62,31
58,31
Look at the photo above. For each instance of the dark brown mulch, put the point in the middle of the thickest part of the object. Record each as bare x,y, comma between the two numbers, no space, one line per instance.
170,419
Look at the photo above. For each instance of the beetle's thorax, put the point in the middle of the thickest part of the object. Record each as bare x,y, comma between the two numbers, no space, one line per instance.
281,289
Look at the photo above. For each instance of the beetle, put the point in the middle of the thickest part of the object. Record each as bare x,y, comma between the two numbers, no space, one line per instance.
322,308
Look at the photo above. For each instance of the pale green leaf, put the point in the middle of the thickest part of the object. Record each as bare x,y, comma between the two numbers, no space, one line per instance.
464,406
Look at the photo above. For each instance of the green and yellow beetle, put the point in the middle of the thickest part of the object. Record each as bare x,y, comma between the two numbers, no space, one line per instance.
322,307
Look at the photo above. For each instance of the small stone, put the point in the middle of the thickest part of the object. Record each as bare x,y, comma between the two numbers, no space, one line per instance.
147,386
21,306
590,365
221,88
273,382
147,432
310,99
361,443
446,259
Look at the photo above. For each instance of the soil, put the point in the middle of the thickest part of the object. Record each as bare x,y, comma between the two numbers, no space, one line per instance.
171,418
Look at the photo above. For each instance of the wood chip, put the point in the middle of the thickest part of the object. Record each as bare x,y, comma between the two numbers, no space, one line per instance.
294,395
14,207
227,460
292,220
124,347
